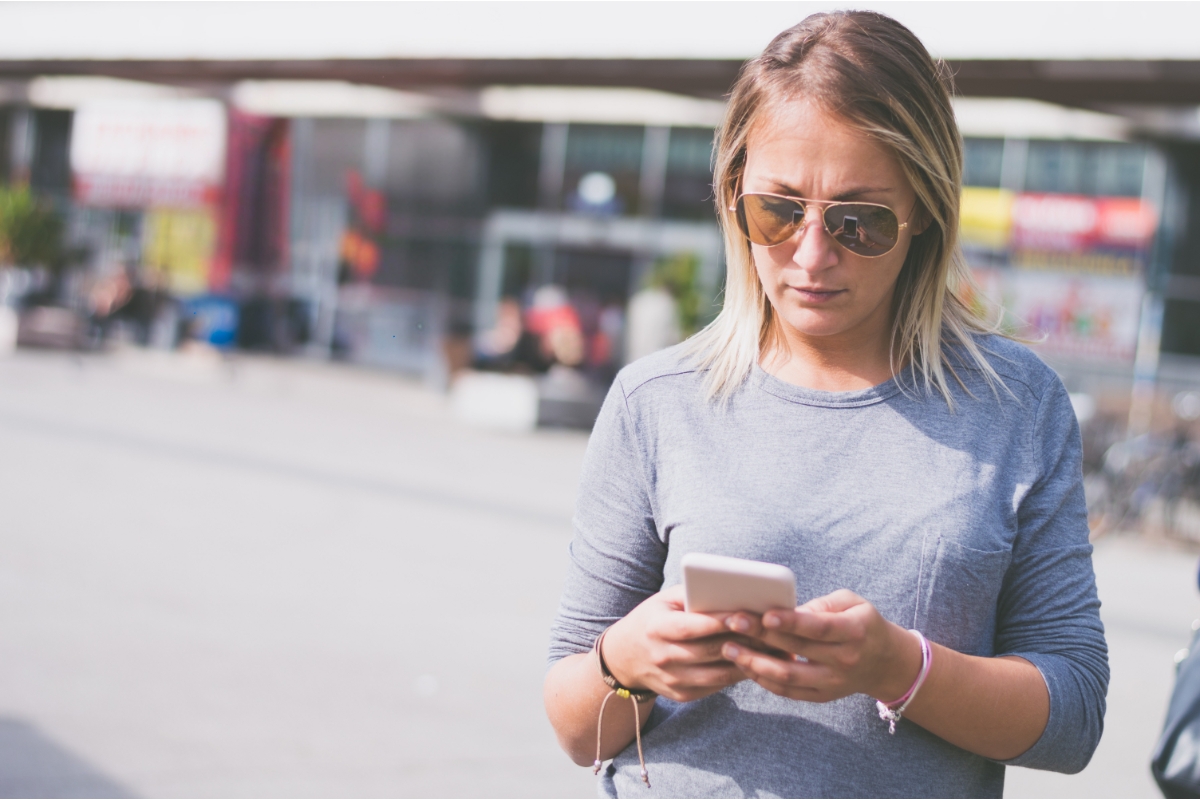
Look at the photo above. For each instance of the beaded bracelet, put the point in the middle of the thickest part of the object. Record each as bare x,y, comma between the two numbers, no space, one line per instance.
893,711
634,695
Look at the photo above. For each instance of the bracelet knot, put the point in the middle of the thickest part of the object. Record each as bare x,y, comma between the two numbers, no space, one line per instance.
892,712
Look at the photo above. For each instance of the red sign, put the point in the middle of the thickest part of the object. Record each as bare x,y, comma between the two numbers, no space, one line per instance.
125,191
1071,223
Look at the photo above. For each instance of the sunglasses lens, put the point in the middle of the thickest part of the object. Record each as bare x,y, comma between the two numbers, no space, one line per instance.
768,220
867,230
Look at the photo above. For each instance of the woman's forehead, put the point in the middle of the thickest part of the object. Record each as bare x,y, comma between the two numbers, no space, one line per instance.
798,142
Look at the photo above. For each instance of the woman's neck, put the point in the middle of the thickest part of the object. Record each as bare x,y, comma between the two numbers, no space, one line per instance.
842,363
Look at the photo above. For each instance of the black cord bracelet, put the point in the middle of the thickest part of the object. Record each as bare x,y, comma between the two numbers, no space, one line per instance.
640,695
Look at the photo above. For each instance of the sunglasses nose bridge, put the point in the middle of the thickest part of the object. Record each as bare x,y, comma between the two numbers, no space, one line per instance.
808,214
815,214
814,253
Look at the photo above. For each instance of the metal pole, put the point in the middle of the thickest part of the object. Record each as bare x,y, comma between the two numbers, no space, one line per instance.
376,138
552,169
1150,322
551,177
655,147
1013,162
21,146
1145,365
491,279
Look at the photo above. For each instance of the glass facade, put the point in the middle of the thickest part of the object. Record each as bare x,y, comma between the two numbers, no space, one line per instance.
612,150
983,160
1100,169
688,189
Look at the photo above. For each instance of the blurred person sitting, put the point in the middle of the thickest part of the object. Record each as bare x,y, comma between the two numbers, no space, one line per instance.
145,304
606,343
509,346
653,322
553,319
105,297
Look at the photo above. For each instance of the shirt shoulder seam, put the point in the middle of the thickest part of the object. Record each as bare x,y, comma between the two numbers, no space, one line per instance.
651,379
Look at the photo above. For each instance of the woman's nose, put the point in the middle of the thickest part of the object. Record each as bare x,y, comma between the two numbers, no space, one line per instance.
815,249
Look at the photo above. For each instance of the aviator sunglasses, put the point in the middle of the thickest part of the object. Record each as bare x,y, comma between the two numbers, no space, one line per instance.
865,229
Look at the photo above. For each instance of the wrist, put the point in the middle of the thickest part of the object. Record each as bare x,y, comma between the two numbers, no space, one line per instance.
611,654
902,665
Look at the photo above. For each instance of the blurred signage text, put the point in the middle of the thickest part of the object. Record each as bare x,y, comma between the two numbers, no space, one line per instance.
149,153
1056,232
1076,316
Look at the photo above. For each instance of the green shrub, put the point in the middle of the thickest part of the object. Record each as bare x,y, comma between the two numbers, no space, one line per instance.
31,233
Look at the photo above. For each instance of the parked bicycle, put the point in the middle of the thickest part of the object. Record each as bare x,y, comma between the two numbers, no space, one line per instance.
1152,481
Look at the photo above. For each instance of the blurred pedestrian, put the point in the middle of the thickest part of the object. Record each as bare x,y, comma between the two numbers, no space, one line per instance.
552,318
107,295
1175,763
509,346
848,416
653,323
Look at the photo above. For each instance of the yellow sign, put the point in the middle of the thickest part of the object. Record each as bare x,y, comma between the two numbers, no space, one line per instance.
180,244
985,219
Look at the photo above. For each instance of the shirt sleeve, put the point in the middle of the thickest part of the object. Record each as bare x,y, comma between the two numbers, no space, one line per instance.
1049,612
616,555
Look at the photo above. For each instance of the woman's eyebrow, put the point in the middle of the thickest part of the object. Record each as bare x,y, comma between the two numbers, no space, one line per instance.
859,192
851,194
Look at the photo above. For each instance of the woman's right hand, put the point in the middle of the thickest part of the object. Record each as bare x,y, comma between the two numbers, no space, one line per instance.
660,647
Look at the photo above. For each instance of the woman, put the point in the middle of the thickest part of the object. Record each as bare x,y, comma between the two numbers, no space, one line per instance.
848,416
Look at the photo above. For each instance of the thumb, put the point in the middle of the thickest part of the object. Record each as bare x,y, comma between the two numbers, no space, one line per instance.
841,600
673,596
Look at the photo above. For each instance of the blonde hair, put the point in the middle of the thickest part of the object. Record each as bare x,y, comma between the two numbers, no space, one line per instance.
874,74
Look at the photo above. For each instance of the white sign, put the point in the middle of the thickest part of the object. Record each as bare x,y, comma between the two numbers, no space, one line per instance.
1077,316
168,152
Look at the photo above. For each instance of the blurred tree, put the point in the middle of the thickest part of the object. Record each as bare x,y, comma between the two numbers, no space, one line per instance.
31,233
677,274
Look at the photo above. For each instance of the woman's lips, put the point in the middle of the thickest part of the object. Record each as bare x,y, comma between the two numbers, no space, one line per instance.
813,295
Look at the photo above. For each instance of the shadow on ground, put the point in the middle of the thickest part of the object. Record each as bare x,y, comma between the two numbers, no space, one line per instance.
32,765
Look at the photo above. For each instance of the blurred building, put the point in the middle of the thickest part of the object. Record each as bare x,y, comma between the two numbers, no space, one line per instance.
365,222
383,210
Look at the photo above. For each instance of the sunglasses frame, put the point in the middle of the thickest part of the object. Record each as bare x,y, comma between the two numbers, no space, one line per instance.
823,205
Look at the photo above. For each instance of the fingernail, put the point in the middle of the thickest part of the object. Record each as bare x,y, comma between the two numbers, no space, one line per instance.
771,621
739,624
732,650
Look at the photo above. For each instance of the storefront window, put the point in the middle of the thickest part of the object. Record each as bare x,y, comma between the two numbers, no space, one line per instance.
688,191
982,162
611,150
1087,168
1180,332
514,156
50,171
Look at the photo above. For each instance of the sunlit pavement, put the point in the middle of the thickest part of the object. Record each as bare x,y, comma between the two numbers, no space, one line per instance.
1148,602
264,578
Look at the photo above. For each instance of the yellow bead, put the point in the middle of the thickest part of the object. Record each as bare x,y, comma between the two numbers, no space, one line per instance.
623,694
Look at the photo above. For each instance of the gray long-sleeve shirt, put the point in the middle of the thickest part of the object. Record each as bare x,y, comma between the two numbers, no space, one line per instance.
968,525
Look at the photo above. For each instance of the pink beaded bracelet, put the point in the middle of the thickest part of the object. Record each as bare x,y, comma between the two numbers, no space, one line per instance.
893,711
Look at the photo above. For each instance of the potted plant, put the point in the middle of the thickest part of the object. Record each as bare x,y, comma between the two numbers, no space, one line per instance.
31,237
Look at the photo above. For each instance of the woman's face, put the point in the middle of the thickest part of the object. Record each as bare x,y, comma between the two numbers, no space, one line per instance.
817,288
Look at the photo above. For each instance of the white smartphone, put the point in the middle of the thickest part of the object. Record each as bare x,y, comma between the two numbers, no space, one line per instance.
714,584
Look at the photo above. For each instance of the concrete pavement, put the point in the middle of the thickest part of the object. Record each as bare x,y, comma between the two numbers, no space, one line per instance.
272,579
265,578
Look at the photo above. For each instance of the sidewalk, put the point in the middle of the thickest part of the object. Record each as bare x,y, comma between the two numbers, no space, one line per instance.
1148,600
263,577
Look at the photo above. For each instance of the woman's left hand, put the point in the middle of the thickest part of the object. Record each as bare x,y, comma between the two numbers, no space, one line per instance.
843,644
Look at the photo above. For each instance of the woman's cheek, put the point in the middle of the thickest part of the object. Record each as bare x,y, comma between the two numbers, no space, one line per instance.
770,274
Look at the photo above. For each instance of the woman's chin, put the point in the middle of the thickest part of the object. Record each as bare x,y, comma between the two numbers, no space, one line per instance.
817,324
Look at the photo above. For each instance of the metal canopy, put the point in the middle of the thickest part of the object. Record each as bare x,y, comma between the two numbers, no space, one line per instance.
1076,83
